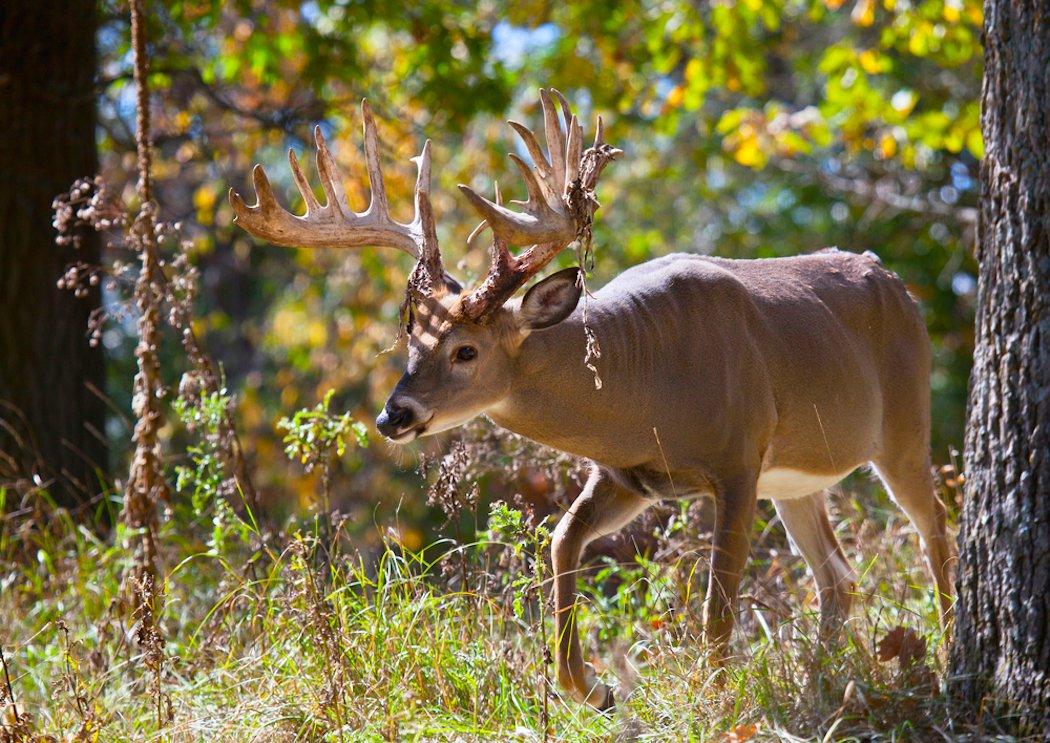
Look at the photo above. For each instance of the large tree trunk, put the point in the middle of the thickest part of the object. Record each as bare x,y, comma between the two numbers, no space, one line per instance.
1001,654
51,415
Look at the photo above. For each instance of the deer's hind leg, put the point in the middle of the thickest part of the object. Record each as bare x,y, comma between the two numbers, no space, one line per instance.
910,483
730,547
811,533
603,507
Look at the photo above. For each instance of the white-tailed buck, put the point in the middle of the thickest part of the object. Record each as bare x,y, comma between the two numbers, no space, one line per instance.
737,379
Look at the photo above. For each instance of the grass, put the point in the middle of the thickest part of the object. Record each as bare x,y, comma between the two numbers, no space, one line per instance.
288,638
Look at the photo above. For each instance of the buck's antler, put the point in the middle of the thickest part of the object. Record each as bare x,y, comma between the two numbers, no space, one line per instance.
335,224
559,207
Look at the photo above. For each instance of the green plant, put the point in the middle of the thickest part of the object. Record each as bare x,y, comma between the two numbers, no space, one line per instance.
208,482
315,436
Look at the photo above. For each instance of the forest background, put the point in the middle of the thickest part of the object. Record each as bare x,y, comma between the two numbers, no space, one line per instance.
751,129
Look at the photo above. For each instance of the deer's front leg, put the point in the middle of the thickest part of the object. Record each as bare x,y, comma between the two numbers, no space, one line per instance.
602,508
734,515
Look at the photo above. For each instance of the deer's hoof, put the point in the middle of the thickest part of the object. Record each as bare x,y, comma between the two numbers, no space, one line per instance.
595,693
585,688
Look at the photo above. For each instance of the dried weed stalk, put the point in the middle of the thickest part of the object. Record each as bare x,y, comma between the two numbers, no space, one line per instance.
310,604
146,485
161,290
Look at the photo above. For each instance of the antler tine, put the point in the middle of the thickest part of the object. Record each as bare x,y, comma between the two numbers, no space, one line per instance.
430,254
599,133
483,224
263,187
532,186
500,250
573,151
335,224
305,190
566,109
331,181
375,171
535,152
555,140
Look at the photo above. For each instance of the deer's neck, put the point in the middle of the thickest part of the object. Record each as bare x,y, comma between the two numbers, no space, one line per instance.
554,400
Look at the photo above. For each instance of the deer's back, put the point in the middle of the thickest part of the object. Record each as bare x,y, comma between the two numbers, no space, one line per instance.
800,355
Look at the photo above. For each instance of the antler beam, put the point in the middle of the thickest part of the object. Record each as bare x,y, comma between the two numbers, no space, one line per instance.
559,207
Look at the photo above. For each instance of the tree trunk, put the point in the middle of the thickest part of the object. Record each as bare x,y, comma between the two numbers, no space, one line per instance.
1001,653
51,413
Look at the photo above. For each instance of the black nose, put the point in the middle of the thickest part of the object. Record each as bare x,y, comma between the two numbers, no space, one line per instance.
394,419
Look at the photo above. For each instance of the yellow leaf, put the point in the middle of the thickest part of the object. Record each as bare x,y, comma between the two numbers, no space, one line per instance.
674,98
833,4
204,203
870,61
748,153
693,68
908,155
887,146
975,143
317,333
919,41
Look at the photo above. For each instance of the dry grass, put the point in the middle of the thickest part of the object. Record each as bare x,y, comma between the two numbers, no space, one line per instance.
287,639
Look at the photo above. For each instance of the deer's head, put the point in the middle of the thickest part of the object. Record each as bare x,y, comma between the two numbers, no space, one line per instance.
462,343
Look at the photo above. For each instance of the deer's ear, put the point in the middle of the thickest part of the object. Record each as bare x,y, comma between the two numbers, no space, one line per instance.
550,301
453,286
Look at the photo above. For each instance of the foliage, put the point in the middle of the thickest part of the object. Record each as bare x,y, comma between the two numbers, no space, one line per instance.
207,481
509,526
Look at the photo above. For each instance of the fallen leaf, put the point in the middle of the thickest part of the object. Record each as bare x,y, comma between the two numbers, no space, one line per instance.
903,644
740,733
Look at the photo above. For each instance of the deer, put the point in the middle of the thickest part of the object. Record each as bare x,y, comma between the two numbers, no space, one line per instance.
736,380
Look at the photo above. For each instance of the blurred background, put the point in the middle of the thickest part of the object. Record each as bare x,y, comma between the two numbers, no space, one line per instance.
756,128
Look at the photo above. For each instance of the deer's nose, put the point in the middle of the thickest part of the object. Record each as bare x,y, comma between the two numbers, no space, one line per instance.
395,419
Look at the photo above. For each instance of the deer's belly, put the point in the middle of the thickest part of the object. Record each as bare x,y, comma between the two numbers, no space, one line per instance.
784,483
774,483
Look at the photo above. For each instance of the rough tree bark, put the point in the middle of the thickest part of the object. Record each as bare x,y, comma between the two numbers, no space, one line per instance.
51,415
1001,653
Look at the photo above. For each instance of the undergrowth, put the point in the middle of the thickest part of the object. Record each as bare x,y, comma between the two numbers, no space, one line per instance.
291,634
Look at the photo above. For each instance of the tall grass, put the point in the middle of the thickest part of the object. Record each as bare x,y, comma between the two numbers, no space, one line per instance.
291,636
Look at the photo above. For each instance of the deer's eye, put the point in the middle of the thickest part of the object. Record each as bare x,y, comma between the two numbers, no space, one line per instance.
466,353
